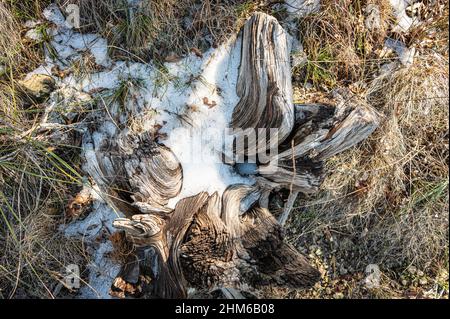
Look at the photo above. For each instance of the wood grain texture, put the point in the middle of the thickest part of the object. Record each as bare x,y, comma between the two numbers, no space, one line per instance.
229,241
320,132
210,241
264,83
138,174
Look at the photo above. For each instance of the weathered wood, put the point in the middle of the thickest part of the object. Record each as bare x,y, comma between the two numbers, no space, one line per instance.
320,132
210,241
138,174
310,133
352,121
264,83
231,240
288,207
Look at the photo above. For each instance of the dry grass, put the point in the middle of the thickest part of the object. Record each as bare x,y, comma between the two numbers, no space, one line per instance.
385,201
35,176
157,29
35,182
38,174
15,53
340,49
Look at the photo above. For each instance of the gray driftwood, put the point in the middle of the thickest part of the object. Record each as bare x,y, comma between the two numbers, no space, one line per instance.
320,132
229,241
264,82
138,174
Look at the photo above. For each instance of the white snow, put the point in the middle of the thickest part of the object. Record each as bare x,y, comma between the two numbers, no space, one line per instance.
199,147
42,69
102,271
93,230
197,139
373,18
69,44
176,99
404,22
33,34
53,14
405,54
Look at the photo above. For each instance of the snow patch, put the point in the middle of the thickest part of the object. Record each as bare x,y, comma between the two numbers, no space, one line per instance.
53,14
102,272
92,230
405,54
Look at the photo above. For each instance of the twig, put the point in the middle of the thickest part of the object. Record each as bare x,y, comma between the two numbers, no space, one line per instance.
292,194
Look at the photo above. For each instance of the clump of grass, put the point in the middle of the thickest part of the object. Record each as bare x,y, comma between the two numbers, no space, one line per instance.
123,94
340,49
318,71
389,195
15,55
36,181
35,175
163,78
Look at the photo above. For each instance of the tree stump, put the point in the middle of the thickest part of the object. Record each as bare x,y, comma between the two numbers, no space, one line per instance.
228,241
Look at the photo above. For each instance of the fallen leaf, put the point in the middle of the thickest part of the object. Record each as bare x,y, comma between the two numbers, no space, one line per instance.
209,104
197,52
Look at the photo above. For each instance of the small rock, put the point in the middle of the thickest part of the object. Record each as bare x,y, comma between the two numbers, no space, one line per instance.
34,35
423,281
37,87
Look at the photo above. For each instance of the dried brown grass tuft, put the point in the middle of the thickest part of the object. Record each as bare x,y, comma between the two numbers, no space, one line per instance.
35,176
339,47
388,197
